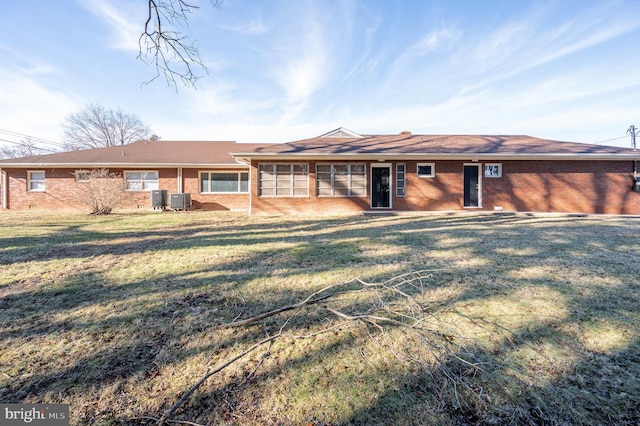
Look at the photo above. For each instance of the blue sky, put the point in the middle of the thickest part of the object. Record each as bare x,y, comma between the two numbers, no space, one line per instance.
287,70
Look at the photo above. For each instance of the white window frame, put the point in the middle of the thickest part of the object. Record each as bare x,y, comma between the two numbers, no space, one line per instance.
292,180
227,172
433,170
350,180
31,181
401,183
497,167
141,181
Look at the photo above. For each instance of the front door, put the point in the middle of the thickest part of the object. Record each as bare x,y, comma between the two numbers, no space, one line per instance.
380,187
471,186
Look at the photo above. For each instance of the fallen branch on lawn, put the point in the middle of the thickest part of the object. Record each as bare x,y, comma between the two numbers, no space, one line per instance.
391,305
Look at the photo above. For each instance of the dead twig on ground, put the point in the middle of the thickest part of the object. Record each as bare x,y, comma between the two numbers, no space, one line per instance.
391,304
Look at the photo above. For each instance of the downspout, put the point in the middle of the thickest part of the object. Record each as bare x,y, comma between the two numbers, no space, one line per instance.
179,180
3,186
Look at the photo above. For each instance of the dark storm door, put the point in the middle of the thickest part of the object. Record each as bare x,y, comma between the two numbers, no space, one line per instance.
471,186
380,187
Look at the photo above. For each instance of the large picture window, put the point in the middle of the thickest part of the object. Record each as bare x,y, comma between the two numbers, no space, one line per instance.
226,182
341,180
141,180
35,181
284,180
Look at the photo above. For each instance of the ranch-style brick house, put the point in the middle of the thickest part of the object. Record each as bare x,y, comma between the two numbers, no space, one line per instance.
342,172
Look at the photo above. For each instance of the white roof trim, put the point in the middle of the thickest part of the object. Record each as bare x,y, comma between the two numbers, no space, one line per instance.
439,156
236,165
341,132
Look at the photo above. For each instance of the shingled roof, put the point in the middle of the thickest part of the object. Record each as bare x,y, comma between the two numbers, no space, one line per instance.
141,154
407,145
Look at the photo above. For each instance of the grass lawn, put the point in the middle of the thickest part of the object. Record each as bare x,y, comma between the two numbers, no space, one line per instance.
530,319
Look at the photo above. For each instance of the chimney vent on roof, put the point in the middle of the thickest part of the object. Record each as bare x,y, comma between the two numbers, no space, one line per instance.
405,132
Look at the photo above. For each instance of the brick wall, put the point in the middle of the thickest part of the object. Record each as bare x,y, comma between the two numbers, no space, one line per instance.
191,184
536,186
61,187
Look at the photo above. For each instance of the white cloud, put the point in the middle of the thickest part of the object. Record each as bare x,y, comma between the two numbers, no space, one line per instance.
30,107
123,17
522,45
255,26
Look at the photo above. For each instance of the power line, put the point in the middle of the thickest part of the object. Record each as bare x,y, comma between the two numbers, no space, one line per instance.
611,140
33,138
27,145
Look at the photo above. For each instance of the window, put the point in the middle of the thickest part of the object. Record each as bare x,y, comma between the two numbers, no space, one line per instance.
426,169
224,182
341,180
401,180
141,180
493,170
283,180
83,175
35,181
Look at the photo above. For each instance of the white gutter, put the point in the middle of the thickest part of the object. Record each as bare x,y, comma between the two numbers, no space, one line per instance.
123,165
434,156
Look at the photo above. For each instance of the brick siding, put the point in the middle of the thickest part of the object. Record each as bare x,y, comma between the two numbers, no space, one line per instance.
536,186
525,186
61,187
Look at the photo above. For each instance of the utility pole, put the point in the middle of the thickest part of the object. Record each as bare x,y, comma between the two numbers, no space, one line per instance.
636,177
632,131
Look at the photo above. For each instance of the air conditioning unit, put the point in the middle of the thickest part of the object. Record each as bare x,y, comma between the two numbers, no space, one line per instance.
636,184
180,201
159,199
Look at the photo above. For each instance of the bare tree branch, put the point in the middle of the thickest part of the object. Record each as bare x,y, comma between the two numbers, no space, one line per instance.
391,305
170,51
25,148
98,127
100,191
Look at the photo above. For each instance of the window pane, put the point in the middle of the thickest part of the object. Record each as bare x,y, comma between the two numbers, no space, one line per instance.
357,169
204,182
244,182
267,192
224,182
300,169
134,186
283,192
323,168
37,176
358,192
133,176
150,185
425,170
150,176
341,169
37,186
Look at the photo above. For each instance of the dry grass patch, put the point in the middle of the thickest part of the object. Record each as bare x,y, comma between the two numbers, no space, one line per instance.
531,319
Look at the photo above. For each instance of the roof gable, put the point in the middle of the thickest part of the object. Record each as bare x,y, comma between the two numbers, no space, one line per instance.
341,132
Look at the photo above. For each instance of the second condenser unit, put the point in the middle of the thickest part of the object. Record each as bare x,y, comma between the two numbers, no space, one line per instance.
180,201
